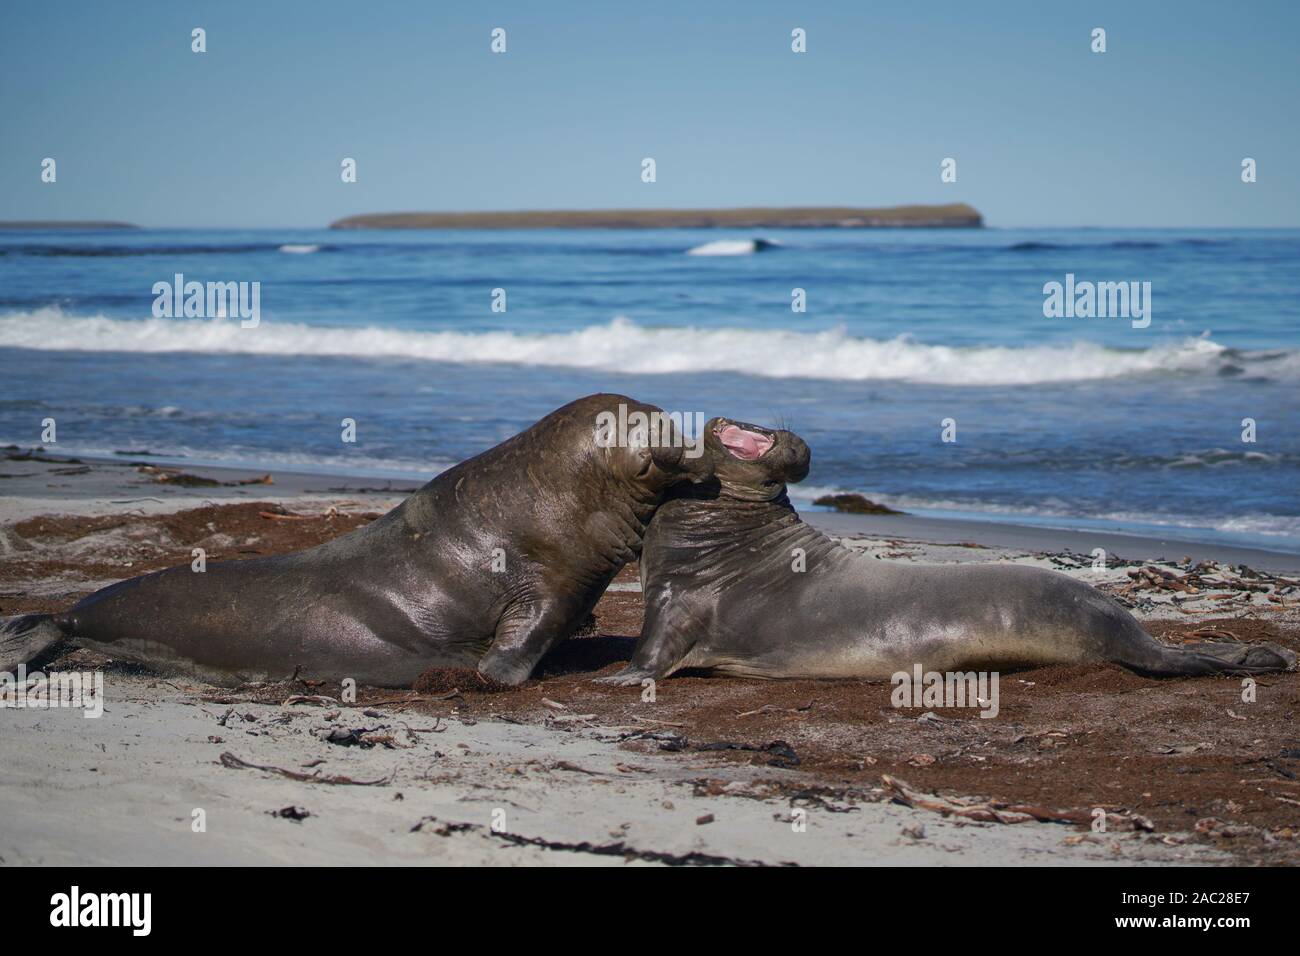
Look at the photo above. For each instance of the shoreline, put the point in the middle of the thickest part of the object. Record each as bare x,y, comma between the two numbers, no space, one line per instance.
41,485
1023,537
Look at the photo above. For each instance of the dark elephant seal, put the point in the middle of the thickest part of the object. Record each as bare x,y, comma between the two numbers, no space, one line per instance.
722,592
487,566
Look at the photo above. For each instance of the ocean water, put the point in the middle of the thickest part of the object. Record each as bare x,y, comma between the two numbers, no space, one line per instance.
1075,422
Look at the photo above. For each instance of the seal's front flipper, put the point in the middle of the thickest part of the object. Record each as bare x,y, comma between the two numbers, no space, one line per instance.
523,637
30,640
628,677
667,636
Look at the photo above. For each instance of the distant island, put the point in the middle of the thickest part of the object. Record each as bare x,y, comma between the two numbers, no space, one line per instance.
954,215
87,224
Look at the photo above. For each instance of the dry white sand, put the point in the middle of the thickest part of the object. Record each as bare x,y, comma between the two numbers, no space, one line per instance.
125,788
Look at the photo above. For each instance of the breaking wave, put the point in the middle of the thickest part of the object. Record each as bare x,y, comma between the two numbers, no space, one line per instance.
732,247
622,345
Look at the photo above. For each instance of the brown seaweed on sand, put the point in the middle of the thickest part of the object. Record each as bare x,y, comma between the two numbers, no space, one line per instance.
234,763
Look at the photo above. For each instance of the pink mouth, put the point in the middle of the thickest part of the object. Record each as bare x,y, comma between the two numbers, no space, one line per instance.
742,444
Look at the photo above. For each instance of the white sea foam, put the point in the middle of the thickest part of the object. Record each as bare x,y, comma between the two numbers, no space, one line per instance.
730,247
622,345
299,249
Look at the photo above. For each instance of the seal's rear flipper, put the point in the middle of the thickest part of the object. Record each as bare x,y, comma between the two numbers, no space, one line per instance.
30,639
1224,658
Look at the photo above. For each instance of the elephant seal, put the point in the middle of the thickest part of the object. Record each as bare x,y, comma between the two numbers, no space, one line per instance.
736,583
488,565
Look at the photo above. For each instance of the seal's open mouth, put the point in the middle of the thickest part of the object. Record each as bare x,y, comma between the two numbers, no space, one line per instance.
742,443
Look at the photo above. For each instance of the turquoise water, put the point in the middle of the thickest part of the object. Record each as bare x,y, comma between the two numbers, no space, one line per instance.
1080,422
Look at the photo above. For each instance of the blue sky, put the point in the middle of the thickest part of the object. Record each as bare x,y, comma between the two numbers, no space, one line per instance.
1045,132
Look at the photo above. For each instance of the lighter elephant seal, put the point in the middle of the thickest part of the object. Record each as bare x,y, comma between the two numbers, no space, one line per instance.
736,583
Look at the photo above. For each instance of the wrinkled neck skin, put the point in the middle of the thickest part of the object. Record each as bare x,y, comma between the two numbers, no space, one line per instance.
726,490
625,513
716,531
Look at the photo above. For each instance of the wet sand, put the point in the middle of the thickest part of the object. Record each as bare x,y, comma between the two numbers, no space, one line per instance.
714,771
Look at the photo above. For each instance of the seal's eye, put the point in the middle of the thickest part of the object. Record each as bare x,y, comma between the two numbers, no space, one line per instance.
644,462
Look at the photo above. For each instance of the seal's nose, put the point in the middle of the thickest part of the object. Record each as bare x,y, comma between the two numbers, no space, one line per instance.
800,457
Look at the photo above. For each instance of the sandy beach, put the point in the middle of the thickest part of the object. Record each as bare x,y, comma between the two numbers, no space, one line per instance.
562,771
